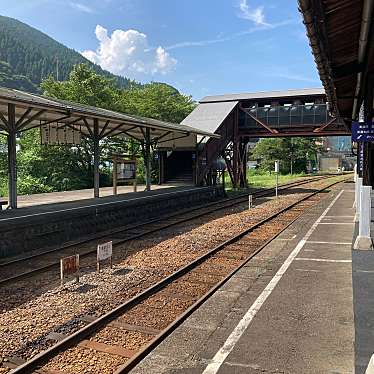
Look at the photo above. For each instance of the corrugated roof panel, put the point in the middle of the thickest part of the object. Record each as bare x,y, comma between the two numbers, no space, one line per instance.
264,95
208,117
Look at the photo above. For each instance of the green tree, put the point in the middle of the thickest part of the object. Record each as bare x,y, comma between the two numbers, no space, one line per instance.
156,100
84,86
292,152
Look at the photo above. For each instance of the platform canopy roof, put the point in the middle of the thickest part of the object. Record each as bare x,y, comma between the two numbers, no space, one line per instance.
342,41
209,116
266,95
32,111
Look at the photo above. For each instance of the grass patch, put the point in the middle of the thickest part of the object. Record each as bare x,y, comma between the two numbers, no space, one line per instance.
260,179
267,180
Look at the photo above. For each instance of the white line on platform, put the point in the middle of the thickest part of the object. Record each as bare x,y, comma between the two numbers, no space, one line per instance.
309,250
334,243
337,223
363,271
309,270
243,324
321,260
339,216
286,239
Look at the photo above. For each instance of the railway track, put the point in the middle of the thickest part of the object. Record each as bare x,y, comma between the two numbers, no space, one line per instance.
116,341
38,263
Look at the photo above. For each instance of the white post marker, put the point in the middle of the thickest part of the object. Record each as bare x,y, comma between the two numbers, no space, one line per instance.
357,198
69,266
363,240
104,252
276,169
250,202
355,176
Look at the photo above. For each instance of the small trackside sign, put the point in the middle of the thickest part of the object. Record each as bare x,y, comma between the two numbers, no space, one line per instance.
104,253
69,267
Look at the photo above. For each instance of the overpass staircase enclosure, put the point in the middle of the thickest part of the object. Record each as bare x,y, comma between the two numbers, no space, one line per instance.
178,167
240,118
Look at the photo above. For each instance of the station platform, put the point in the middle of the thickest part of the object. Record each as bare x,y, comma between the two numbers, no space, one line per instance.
304,305
46,226
85,194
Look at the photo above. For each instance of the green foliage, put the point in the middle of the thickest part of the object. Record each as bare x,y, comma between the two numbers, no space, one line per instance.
84,86
9,78
299,151
157,100
53,168
35,55
29,185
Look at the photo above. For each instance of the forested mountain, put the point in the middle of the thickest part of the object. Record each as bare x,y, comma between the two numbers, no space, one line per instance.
9,78
34,55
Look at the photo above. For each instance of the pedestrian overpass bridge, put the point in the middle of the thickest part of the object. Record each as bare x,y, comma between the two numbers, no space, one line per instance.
237,118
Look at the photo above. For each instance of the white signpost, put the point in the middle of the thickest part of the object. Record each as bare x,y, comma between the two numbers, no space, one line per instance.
250,202
104,253
276,169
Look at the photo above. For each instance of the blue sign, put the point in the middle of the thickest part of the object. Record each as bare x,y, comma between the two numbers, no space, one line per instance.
362,131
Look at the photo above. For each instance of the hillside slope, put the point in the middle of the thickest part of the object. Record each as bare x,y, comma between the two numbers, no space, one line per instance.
35,55
9,78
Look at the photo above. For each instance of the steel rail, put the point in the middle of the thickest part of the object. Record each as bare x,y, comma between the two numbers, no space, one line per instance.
230,202
73,339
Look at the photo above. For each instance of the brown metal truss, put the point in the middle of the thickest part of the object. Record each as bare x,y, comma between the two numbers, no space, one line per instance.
319,129
246,111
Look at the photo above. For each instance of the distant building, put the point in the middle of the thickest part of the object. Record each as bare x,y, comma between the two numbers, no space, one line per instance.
338,144
337,154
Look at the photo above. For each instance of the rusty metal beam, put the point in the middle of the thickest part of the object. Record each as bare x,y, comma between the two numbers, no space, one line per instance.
319,129
273,131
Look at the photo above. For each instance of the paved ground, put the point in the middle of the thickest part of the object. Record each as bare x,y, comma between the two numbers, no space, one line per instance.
290,310
45,203
59,197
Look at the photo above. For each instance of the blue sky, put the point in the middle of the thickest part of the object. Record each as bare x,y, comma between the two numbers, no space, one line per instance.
201,47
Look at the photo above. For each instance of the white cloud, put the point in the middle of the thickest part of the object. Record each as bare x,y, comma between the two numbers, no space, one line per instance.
289,73
296,77
81,7
255,14
127,51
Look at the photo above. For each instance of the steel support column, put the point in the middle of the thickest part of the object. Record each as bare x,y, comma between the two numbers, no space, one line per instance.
147,158
12,156
161,167
235,151
243,163
96,158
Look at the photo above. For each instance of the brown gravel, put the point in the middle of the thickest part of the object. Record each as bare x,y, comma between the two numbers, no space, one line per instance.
83,360
118,336
143,315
